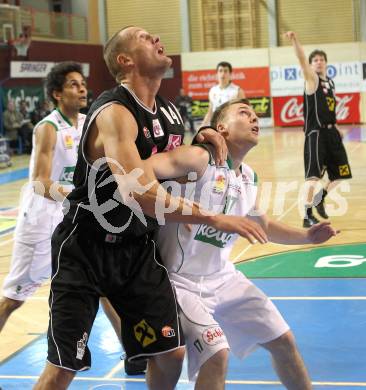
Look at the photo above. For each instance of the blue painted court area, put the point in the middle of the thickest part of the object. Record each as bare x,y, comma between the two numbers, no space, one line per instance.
328,317
14,175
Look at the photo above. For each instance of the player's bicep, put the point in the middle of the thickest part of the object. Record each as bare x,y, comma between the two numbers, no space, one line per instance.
179,162
310,77
117,130
45,141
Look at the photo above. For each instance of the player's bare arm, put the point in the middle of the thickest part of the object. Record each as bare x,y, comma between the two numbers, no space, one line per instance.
207,119
241,94
311,78
116,133
45,141
179,162
281,233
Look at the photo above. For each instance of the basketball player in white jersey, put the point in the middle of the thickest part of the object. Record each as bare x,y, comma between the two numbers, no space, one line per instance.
220,308
222,92
52,163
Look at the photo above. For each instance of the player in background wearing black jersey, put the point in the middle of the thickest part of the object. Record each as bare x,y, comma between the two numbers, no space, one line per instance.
105,245
324,149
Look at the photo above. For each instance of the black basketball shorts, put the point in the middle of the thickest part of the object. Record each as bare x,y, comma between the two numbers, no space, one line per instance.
128,272
324,151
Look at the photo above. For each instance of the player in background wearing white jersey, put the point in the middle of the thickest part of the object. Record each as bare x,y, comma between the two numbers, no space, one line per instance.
222,92
220,308
52,163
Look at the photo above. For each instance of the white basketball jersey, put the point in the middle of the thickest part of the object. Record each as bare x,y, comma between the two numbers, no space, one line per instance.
218,96
64,154
205,250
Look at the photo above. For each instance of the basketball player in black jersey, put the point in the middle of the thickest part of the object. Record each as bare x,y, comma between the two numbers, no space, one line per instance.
324,149
105,245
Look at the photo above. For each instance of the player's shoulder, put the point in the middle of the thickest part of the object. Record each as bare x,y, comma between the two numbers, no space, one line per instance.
248,174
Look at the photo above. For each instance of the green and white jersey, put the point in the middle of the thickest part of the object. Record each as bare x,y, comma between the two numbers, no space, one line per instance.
205,250
66,148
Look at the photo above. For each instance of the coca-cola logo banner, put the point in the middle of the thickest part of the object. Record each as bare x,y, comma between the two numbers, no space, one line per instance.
288,80
289,110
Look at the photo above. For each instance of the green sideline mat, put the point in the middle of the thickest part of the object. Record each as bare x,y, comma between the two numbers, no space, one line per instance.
340,261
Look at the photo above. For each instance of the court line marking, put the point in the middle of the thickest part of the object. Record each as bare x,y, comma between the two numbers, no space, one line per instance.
232,382
3,243
284,298
355,298
115,369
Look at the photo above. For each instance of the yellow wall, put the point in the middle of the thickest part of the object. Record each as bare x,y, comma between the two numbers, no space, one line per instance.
93,22
315,21
156,16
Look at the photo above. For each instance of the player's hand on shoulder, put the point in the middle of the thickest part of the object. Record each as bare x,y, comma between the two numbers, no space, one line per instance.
211,136
243,226
321,232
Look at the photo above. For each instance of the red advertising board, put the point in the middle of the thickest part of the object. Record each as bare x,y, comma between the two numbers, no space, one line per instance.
254,81
288,110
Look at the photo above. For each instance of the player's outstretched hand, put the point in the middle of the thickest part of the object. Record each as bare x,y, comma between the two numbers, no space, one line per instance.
290,35
321,232
211,136
243,226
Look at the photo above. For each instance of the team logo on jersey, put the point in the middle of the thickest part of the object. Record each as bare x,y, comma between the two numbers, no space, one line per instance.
80,346
68,141
219,185
211,236
174,141
331,103
157,129
144,333
67,175
147,132
167,331
344,170
213,336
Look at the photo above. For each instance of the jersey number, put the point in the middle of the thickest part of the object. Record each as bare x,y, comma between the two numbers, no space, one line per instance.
172,116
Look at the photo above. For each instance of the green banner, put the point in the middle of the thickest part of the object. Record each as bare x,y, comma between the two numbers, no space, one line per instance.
31,94
341,261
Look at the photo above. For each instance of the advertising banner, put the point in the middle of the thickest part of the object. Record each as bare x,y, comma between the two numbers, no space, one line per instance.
363,84
36,69
254,81
31,94
288,110
288,80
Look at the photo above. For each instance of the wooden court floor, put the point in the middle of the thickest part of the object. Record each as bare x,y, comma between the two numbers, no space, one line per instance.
279,164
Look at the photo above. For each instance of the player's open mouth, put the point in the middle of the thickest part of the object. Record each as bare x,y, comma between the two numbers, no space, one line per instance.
255,130
161,50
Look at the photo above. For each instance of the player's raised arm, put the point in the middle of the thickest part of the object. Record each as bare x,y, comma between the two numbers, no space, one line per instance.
311,78
207,119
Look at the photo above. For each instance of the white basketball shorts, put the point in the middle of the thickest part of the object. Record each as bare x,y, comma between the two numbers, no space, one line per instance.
224,311
31,257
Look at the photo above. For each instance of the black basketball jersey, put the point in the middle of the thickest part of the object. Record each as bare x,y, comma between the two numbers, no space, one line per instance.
95,201
320,107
